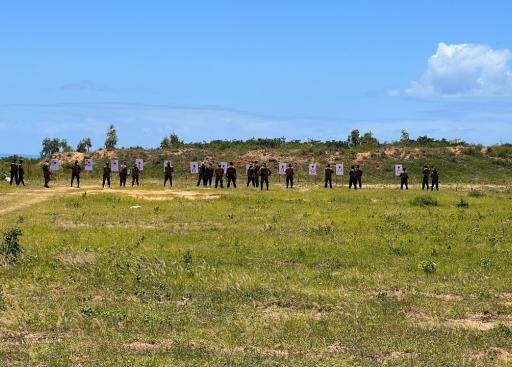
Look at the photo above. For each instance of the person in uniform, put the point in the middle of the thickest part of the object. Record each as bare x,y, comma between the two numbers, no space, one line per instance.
168,171
209,174
289,176
352,180
404,179
328,176
21,174
264,175
75,173
359,176
257,173
231,175
434,176
123,174
426,173
46,173
219,174
135,174
14,172
250,176
202,175
107,171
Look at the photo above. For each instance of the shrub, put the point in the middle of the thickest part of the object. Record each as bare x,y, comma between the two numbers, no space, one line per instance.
187,257
476,194
11,248
424,200
428,266
463,203
398,251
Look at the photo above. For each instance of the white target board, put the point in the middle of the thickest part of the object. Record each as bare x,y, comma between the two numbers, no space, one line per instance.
398,169
114,165
339,169
54,165
194,167
313,168
224,166
88,165
168,161
140,164
282,168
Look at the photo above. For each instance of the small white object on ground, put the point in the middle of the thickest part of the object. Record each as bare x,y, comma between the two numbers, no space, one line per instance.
135,207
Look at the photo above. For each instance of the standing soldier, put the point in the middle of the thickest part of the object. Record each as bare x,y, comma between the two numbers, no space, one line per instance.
46,173
264,175
352,180
168,173
202,175
21,173
404,179
231,174
75,173
219,174
359,176
123,174
426,173
257,173
435,179
135,174
106,174
209,174
250,176
328,176
14,172
289,176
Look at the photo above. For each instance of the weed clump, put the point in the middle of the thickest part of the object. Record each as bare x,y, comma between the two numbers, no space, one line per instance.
11,248
476,194
428,267
424,200
462,203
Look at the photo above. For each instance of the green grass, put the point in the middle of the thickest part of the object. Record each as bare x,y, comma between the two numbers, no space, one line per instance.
278,278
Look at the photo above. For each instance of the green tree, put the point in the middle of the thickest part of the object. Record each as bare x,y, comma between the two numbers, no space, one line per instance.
165,143
368,138
111,140
50,147
404,137
84,145
175,141
354,138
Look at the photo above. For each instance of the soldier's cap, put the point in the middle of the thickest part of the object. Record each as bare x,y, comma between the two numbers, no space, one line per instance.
76,162
230,163
218,165
124,162
328,165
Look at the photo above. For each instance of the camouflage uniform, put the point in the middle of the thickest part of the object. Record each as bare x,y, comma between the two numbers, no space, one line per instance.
289,176
123,174
264,175
106,174
21,174
219,174
404,180
75,173
46,174
135,175
328,176
168,171
14,172
250,176
231,175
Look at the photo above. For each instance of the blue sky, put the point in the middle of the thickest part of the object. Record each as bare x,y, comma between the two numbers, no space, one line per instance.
232,69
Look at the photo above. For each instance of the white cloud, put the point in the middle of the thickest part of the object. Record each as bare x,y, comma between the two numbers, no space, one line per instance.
465,70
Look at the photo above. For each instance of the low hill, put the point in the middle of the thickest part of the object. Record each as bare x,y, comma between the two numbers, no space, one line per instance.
464,163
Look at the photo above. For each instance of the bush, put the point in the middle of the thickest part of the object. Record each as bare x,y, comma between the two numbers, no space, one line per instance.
424,200
476,194
11,247
463,203
428,266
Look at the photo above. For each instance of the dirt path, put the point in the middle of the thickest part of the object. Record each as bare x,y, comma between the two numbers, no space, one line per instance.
24,198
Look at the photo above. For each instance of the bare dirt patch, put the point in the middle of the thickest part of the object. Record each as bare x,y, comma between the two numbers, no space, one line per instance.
149,346
362,156
479,321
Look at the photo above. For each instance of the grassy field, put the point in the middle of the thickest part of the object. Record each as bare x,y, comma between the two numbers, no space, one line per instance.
303,277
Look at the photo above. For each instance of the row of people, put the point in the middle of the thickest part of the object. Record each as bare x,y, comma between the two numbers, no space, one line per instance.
17,173
257,176
428,172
